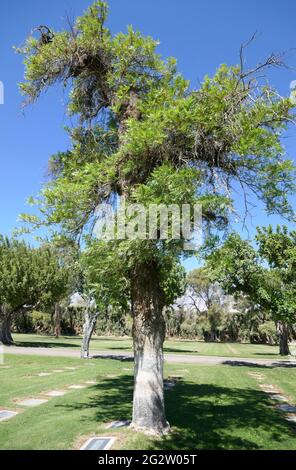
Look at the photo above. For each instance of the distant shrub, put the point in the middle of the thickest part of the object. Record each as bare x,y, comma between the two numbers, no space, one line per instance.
267,333
190,329
33,322
114,323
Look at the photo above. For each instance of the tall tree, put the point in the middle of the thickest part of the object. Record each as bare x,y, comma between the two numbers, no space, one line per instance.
146,137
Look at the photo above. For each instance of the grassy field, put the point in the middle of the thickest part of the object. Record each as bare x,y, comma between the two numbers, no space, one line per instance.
171,346
217,407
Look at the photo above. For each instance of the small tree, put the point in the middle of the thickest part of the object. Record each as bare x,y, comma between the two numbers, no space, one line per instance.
88,305
146,137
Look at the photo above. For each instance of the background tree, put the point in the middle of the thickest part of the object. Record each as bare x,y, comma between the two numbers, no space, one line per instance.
240,269
147,138
207,298
220,316
103,288
88,306
30,278
278,248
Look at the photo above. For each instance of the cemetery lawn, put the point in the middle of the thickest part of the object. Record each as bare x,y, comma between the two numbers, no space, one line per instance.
122,345
213,407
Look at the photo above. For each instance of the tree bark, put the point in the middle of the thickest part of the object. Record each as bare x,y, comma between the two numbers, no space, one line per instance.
283,334
90,319
5,325
148,338
57,319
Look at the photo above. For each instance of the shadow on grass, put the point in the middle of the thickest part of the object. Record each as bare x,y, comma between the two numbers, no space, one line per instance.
267,354
115,357
44,344
256,365
176,350
202,416
165,349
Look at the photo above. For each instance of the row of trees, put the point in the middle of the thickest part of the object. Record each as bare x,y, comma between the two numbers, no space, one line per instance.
227,319
261,296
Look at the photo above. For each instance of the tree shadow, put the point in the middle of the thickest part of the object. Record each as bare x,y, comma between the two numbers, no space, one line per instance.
256,365
44,344
111,339
266,354
115,357
204,416
176,350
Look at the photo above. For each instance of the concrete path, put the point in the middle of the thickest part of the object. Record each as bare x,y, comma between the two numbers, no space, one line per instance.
172,358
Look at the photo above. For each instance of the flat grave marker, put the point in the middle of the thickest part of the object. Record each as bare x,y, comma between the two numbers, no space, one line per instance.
77,387
291,418
167,385
278,397
175,378
98,443
5,415
118,424
55,393
255,374
287,408
30,402
268,388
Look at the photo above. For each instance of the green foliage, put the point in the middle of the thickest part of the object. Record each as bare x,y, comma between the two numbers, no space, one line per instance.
235,266
105,275
30,277
35,322
145,136
242,269
115,322
267,333
190,329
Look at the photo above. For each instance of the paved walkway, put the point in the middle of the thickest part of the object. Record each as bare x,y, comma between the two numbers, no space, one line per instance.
172,358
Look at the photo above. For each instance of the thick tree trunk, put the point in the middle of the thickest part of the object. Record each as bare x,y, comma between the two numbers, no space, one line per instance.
90,320
148,337
283,334
5,325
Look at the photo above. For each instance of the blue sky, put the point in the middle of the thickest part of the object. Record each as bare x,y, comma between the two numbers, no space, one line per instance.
201,34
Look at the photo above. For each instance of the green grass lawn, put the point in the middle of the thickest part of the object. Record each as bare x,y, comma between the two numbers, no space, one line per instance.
171,346
217,407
